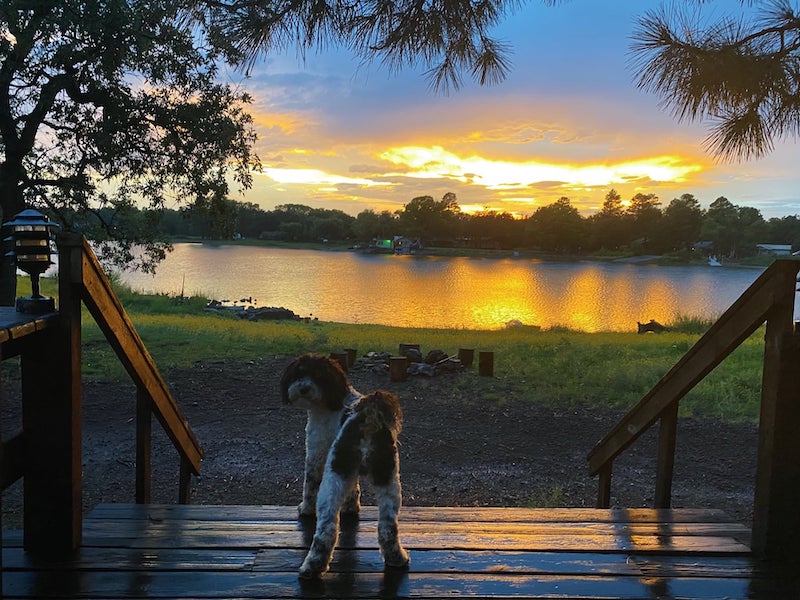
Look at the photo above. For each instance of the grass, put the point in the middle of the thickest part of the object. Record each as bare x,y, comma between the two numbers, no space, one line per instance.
558,367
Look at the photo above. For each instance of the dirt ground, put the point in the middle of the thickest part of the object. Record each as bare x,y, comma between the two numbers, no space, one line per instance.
457,448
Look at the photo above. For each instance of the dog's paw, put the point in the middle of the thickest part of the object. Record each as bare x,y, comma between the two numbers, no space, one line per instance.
311,569
351,508
306,510
397,560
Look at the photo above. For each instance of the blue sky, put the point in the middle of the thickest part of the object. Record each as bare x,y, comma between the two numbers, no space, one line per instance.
568,121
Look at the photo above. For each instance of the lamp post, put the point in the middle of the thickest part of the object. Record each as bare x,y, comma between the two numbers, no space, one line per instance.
30,237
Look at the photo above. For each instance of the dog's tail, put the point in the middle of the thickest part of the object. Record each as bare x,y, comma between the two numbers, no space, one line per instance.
380,410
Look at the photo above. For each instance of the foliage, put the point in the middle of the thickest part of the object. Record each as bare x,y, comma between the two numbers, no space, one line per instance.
683,221
106,106
557,227
449,38
371,225
616,231
742,76
429,219
734,230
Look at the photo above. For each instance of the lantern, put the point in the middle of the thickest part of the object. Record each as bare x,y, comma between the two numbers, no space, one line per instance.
30,239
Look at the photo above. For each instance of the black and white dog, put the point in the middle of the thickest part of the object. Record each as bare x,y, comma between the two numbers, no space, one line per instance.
347,435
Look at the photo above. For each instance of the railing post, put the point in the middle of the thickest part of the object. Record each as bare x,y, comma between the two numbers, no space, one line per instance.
2,450
185,482
51,382
144,426
667,433
776,518
604,485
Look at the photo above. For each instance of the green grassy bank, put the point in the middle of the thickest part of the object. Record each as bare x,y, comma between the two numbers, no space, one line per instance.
560,368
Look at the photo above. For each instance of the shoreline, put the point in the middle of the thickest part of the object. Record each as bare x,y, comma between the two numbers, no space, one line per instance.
622,258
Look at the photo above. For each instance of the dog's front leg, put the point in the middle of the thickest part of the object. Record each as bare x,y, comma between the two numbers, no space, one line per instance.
334,489
311,482
320,433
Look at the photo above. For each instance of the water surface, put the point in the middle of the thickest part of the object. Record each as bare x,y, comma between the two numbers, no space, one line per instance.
447,292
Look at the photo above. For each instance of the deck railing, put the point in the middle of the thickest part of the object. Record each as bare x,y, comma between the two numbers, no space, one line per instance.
770,299
80,269
47,452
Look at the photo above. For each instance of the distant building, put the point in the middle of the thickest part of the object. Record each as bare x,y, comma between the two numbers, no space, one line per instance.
397,245
774,249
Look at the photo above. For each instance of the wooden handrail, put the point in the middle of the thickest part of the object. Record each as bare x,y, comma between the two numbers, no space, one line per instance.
770,298
79,263
744,316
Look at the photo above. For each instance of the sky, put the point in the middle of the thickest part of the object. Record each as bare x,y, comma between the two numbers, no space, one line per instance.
567,121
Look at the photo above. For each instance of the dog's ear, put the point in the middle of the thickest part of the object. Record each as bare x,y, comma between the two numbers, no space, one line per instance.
289,375
335,385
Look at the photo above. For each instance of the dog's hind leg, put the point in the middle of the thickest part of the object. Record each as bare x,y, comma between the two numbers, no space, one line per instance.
389,499
352,504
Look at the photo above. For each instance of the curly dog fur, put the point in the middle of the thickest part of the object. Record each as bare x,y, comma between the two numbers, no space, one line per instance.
347,435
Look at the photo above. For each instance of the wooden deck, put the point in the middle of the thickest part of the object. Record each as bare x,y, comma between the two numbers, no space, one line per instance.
153,551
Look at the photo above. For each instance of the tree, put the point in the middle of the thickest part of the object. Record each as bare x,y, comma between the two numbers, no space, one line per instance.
752,229
742,76
450,37
214,218
110,104
557,227
332,225
683,220
369,225
721,226
611,225
784,230
645,218
493,229
429,219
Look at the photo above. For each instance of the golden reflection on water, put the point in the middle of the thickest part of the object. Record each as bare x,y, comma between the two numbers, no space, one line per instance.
441,292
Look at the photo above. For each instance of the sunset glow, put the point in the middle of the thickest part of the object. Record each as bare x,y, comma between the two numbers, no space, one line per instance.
568,122
436,162
314,177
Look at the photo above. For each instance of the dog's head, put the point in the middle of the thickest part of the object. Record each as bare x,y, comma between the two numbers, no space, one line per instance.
314,381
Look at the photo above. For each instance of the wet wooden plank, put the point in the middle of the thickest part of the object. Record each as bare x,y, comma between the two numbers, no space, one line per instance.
644,544
366,585
424,513
190,526
132,559
595,537
15,327
370,561
365,536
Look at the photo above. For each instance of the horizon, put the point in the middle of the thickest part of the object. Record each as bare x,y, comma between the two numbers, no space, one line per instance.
337,134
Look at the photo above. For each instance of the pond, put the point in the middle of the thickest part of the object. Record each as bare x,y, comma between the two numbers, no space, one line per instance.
447,292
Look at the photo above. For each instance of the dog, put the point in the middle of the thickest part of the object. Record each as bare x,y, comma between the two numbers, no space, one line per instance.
651,326
347,435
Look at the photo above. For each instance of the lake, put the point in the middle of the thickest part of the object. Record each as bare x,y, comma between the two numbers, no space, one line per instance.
447,292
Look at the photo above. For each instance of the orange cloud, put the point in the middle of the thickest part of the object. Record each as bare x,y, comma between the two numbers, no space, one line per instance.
436,162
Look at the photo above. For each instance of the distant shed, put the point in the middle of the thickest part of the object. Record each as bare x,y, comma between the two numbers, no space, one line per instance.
775,249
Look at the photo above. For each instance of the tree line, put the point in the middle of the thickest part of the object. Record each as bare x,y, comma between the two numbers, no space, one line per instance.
641,225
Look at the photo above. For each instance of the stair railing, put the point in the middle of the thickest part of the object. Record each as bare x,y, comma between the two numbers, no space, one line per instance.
770,299
81,276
